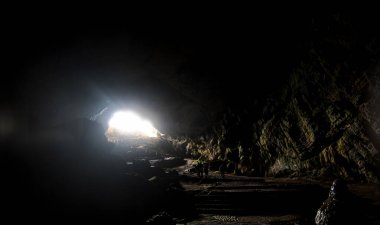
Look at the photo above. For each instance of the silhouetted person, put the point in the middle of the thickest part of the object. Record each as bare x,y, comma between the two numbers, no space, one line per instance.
222,169
199,170
205,169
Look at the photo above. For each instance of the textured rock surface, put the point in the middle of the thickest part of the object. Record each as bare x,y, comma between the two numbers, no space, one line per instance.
337,132
325,120
341,207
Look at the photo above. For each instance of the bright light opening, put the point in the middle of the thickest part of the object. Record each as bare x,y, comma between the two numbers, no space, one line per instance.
129,123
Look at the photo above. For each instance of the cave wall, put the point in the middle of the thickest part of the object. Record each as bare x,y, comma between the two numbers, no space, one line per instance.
325,124
322,123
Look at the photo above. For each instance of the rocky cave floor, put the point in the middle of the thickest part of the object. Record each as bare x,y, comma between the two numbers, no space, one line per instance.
253,200
250,200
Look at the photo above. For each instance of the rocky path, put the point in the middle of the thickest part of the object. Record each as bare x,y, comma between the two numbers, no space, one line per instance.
250,200
254,201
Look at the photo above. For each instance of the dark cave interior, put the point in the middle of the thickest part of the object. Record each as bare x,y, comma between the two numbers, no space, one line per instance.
285,100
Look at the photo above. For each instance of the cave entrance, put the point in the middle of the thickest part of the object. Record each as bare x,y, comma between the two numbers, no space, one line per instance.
128,127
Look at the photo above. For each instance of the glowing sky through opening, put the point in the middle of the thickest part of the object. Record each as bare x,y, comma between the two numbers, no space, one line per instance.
129,123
